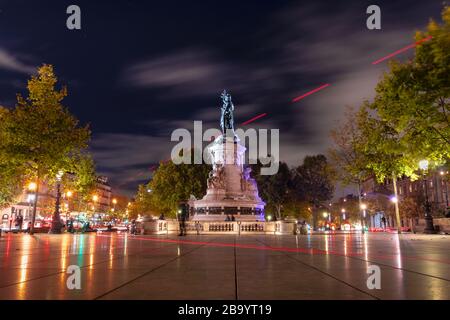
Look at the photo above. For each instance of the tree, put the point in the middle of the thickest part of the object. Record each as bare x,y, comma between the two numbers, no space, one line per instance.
385,153
349,164
275,189
81,180
314,182
171,184
43,138
414,97
143,203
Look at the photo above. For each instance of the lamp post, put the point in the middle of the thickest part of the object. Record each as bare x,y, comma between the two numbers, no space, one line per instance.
32,186
363,219
56,220
343,214
68,195
114,201
429,227
94,207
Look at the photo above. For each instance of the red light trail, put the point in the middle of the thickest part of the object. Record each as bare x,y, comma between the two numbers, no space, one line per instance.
310,92
312,251
254,118
402,50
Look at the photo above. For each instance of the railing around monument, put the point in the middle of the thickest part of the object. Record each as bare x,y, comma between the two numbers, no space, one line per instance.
219,227
230,227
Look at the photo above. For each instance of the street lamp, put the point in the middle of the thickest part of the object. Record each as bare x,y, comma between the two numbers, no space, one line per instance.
56,220
114,201
429,227
343,213
32,186
363,220
95,199
68,195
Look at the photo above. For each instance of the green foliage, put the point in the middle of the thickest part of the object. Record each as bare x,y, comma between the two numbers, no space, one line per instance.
275,189
349,164
384,152
171,184
39,136
314,180
414,97
83,168
10,175
144,203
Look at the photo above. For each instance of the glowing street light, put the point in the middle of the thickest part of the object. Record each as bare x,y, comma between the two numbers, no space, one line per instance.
32,186
114,201
423,164
69,194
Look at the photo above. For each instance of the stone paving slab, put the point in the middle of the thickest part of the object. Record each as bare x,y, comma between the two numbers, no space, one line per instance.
328,266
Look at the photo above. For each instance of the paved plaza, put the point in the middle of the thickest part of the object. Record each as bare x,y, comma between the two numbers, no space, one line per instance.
120,266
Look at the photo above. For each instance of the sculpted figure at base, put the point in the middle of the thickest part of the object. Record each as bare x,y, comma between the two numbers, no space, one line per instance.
216,178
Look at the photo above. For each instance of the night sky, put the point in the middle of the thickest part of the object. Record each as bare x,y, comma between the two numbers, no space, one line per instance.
139,69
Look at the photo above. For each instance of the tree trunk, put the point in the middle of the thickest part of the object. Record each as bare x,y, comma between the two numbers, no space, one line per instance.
360,206
278,211
314,216
397,211
36,195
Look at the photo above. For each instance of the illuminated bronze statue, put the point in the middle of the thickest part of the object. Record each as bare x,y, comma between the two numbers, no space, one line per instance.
226,119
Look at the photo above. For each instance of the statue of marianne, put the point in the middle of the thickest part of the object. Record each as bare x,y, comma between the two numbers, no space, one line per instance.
226,118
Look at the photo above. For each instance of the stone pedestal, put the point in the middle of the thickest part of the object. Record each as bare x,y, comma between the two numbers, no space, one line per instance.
231,191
